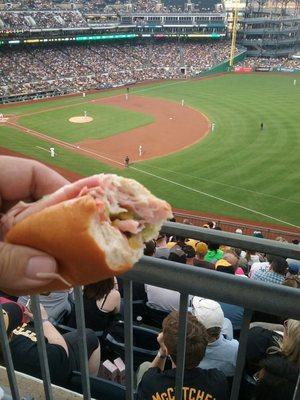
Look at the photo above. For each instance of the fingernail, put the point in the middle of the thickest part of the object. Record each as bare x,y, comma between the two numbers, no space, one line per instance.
39,264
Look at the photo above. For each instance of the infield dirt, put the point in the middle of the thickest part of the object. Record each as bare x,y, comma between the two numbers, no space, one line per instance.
175,128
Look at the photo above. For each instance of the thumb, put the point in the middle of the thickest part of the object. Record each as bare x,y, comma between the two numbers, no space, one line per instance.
19,266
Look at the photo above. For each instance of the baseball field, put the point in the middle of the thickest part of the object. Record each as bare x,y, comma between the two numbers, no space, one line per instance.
235,169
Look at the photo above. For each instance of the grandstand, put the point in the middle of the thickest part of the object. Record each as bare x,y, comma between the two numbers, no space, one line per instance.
270,35
68,69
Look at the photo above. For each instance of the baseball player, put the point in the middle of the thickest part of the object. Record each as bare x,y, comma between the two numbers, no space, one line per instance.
126,162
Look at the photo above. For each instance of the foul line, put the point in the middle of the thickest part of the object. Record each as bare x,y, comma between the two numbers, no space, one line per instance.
73,147
215,197
42,148
61,142
225,184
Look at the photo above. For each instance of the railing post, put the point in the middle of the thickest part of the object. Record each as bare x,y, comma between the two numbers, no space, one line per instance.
180,358
297,389
241,355
128,338
80,322
8,359
38,327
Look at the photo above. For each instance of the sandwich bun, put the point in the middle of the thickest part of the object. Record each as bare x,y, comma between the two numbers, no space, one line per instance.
83,233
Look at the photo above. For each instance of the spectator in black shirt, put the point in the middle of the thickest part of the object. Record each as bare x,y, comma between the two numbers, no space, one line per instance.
101,302
277,379
157,383
63,351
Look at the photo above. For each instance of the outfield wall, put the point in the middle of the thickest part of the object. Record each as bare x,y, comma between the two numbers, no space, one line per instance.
224,66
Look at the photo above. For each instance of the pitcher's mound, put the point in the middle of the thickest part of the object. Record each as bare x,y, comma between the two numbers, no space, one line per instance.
81,120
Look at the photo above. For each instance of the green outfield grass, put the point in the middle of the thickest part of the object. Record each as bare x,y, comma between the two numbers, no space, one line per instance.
107,121
237,170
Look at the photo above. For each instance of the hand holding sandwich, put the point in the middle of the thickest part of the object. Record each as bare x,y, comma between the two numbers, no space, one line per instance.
95,228
23,180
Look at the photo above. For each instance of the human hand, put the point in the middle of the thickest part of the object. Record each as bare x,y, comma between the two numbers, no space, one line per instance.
28,180
162,347
29,314
24,270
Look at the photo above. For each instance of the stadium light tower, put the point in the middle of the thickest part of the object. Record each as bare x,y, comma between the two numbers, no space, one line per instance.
233,32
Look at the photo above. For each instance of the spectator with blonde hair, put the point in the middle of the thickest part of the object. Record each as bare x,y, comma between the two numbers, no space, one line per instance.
264,343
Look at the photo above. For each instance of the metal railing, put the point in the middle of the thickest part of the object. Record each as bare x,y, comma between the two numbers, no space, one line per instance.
188,280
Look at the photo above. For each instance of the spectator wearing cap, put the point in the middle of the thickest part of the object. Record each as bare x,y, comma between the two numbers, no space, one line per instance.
294,266
233,260
185,252
201,250
221,353
258,234
12,314
214,253
276,273
192,242
224,266
293,269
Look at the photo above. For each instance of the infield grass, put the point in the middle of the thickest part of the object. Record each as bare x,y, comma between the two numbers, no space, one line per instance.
237,170
107,121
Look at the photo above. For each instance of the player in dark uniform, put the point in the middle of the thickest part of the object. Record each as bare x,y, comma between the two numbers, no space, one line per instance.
126,162
261,126
127,89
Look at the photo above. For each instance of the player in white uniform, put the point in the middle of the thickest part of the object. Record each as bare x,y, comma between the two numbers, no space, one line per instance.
52,152
140,150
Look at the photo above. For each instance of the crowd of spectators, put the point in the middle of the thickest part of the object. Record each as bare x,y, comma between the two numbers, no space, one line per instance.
213,328
41,19
262,62
88,6
78,68
40,14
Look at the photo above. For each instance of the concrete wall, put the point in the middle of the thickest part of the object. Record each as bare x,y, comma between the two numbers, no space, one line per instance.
34,387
